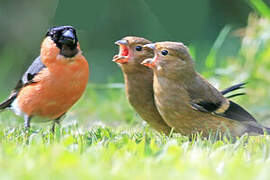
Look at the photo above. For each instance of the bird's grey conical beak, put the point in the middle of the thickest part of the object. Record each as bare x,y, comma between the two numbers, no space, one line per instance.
122,42
151,46
69,37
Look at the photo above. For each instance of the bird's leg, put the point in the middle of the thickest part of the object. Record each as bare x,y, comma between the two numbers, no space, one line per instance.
27,120
53,127
56,121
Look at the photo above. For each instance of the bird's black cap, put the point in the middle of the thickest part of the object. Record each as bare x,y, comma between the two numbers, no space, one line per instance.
65,38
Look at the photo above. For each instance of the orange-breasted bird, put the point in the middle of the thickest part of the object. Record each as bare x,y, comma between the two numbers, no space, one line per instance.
139,80
55,80
188,102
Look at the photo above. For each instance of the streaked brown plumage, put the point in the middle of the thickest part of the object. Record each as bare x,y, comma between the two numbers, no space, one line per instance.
187,102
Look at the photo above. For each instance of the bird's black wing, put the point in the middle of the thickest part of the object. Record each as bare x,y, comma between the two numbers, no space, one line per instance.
238,113
233,111
227,109
208,106
204,106
26,79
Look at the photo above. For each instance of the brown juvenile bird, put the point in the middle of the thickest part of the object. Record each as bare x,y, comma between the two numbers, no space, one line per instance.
139,80
190,104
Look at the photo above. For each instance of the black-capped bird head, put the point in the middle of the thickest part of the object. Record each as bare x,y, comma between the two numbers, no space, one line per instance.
65,38
131,50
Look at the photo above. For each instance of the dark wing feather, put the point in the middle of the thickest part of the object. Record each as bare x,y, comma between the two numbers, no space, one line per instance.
234,111
206,106
33,70
211,107
238,113
233,88
27,79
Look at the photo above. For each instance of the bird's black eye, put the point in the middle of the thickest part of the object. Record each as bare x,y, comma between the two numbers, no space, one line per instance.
138,48
164,52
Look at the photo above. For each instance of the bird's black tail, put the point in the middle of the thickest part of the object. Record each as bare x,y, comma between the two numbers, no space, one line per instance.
7,103
234,88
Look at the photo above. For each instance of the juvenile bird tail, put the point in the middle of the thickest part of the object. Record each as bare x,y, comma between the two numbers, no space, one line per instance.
258,129
267,130
234,88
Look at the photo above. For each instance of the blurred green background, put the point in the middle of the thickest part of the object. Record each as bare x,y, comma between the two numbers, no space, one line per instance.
228,39
101,22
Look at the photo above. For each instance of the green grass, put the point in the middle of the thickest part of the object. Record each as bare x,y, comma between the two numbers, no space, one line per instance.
107,153
102,138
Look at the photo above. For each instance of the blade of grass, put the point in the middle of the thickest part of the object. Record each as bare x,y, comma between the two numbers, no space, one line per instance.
260,7
211,58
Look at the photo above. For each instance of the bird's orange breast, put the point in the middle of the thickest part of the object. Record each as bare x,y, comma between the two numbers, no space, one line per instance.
56,89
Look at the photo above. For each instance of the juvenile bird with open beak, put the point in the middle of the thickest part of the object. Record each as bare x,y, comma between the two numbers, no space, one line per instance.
189,103
54,82
139,80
